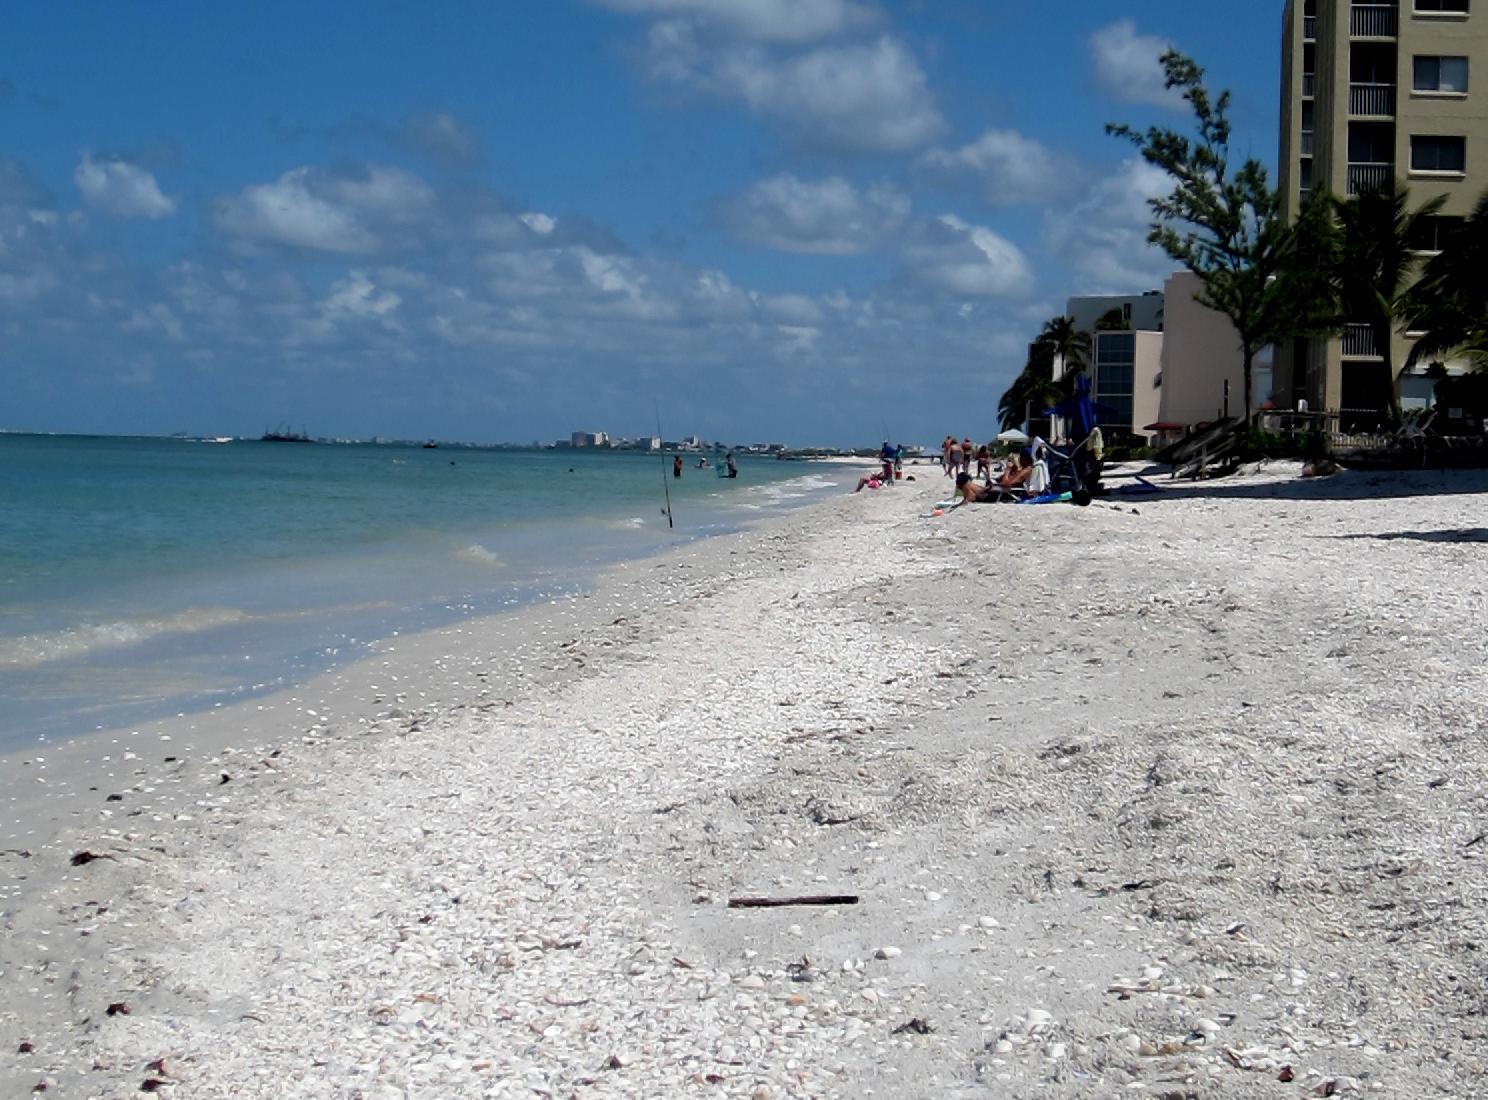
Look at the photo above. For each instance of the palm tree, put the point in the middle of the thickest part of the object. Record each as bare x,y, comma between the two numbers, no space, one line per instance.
1064,340
1376,266
1450,301
1035,387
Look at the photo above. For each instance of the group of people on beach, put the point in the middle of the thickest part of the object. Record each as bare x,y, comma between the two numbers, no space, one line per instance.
730,467
988,484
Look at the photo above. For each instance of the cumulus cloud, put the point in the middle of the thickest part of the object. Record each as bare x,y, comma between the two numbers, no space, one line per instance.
1006,168
1128,65
871,97
842,96
122,189
309,209
790,21
826,217
966,260
1104,235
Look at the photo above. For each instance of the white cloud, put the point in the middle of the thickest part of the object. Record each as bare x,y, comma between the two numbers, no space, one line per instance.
358,297
1104,236
967,260
854,98
848,98
792,21
1007,168
307,209
1128,65
122,189
828,217
541,224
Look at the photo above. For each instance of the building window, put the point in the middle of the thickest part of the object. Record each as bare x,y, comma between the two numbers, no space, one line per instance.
1441,74
1115,379
1453,7
1434,232
1438,154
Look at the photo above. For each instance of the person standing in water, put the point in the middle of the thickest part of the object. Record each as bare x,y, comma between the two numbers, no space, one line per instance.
677,466
733,470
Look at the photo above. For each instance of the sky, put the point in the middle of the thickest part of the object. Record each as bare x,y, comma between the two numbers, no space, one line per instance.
805,221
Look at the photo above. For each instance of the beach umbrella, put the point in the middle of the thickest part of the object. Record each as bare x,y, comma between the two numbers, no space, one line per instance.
1013,435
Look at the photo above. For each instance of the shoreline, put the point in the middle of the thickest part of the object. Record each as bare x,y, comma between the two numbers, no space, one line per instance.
254,629
1032,768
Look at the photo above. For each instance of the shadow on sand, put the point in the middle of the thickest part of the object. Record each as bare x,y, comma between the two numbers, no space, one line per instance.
1459,534
1344,485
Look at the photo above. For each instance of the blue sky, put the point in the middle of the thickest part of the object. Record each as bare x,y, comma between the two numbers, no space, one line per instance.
780,219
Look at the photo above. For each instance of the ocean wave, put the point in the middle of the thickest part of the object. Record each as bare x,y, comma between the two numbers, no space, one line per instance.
31,650
778,493
478,553
630,523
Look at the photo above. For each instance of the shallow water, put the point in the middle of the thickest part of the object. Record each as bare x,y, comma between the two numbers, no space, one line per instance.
140,577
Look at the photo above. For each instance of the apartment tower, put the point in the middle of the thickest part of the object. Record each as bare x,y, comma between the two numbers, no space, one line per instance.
1372,92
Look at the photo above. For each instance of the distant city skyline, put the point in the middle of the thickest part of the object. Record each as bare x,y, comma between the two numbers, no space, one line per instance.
818,220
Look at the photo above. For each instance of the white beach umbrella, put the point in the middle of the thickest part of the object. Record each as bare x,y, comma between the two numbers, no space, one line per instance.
1013,435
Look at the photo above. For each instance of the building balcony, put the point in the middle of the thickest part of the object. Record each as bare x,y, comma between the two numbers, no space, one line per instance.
1369,177
1377,100
1374,20
1309,28
1307,143
1309,85
1358,342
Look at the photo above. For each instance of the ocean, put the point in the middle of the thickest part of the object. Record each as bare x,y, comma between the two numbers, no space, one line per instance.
141,577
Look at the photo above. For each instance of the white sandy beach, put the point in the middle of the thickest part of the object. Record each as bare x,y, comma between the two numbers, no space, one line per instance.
1179,795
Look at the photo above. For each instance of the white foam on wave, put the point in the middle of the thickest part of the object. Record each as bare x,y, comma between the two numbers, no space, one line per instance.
31,650
780,493
630,523
477,553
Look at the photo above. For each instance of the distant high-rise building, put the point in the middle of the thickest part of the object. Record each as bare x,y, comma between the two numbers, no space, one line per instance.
1373,92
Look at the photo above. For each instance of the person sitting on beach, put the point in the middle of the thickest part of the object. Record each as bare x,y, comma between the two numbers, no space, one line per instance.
1016,473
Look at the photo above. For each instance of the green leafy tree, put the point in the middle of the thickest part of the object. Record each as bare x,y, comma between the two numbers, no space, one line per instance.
1272,279
1449,303
1377,266
1110,321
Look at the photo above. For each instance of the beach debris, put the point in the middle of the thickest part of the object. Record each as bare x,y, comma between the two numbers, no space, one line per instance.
800,971
888,953
118,1008
805,899
25,1048
224,780
152,1084
80,859
915,1024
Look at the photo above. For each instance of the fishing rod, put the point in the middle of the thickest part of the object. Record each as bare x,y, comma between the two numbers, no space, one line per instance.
666,486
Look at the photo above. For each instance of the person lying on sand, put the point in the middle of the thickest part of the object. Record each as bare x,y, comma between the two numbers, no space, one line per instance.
972,493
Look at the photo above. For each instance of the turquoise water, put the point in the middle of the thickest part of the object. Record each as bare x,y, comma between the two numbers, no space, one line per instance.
146,576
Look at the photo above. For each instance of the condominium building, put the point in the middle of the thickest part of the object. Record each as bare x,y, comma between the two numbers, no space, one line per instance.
1373,92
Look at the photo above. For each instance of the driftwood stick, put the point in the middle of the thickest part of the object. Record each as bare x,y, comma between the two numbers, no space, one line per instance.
809,899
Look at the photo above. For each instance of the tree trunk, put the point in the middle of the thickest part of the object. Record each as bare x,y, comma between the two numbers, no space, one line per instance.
1384,338
1248,354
